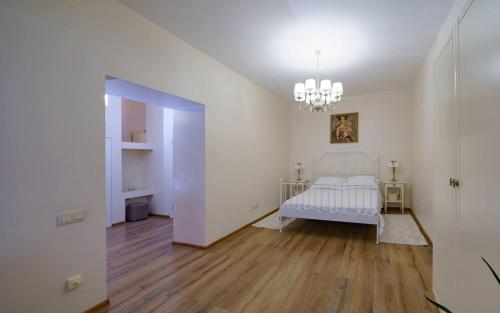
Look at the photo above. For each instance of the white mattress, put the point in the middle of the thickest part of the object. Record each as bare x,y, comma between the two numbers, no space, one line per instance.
341,199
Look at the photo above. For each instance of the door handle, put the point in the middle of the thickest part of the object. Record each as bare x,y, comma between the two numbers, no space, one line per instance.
454,182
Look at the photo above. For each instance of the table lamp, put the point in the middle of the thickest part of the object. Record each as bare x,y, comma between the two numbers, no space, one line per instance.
299,167
393,164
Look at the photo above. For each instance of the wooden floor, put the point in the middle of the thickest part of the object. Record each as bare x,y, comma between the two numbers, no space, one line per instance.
312,266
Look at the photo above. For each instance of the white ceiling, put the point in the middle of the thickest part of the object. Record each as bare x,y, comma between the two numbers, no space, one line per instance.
369,45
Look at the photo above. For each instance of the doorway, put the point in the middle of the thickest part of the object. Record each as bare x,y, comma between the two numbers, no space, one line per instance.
155,159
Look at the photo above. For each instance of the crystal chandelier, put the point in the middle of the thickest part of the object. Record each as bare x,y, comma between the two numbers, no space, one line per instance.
319,99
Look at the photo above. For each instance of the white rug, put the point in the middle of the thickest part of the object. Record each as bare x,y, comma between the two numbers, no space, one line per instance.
402,229
272,222
398,228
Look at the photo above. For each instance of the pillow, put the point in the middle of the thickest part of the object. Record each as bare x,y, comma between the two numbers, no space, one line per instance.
361,180
330,180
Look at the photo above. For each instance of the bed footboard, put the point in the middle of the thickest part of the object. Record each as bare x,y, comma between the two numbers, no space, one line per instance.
332,202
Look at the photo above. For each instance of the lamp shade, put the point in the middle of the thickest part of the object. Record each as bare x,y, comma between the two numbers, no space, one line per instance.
325,85
298,166
337,88
310,85
299,89
392,163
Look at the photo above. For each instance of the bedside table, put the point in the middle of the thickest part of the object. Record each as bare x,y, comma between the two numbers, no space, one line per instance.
291,188
394,192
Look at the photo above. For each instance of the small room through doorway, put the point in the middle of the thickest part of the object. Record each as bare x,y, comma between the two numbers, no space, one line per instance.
155,159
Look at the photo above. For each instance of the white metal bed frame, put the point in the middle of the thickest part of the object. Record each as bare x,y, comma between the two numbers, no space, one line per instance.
339,164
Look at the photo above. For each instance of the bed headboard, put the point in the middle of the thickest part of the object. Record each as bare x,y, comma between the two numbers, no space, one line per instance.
345,164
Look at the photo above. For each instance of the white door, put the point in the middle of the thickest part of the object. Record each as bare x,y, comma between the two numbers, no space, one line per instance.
444,236
479,157
108,166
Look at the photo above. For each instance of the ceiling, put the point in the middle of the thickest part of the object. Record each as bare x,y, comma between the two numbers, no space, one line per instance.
369,45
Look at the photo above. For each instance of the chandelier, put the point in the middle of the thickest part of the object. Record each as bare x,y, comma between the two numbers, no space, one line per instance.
314,99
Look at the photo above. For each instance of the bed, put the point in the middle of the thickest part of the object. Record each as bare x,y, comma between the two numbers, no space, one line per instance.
345,188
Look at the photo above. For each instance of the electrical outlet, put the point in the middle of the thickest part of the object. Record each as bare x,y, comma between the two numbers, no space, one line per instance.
71,217
74,282
255,207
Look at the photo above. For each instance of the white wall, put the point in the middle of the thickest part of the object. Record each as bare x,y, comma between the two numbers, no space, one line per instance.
54,56
134,170
189,175
384,132
155,161
141,169
113,130
168,147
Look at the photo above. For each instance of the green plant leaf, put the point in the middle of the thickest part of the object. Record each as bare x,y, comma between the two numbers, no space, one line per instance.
492,271
439,306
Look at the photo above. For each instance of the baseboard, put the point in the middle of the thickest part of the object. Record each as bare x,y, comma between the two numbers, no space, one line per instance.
436,298
101,307
150,214
190,245
159,215
422,229
394,210
220,239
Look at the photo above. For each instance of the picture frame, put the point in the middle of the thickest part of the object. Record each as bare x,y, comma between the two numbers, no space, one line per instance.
344,128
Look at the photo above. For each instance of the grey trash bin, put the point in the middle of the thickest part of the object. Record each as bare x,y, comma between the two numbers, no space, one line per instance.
137,211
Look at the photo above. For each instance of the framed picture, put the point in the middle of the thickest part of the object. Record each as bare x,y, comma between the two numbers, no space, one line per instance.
344,128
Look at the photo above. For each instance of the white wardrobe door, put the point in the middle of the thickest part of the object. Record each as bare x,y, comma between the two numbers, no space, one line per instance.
479,157
444,228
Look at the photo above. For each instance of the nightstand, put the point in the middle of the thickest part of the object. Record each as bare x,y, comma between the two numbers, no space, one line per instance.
394,192
290,188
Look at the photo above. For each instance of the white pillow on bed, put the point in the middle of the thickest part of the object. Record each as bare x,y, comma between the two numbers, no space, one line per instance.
330,180
361,180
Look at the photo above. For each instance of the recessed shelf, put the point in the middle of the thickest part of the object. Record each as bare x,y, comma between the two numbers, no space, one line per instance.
137,146
137,193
